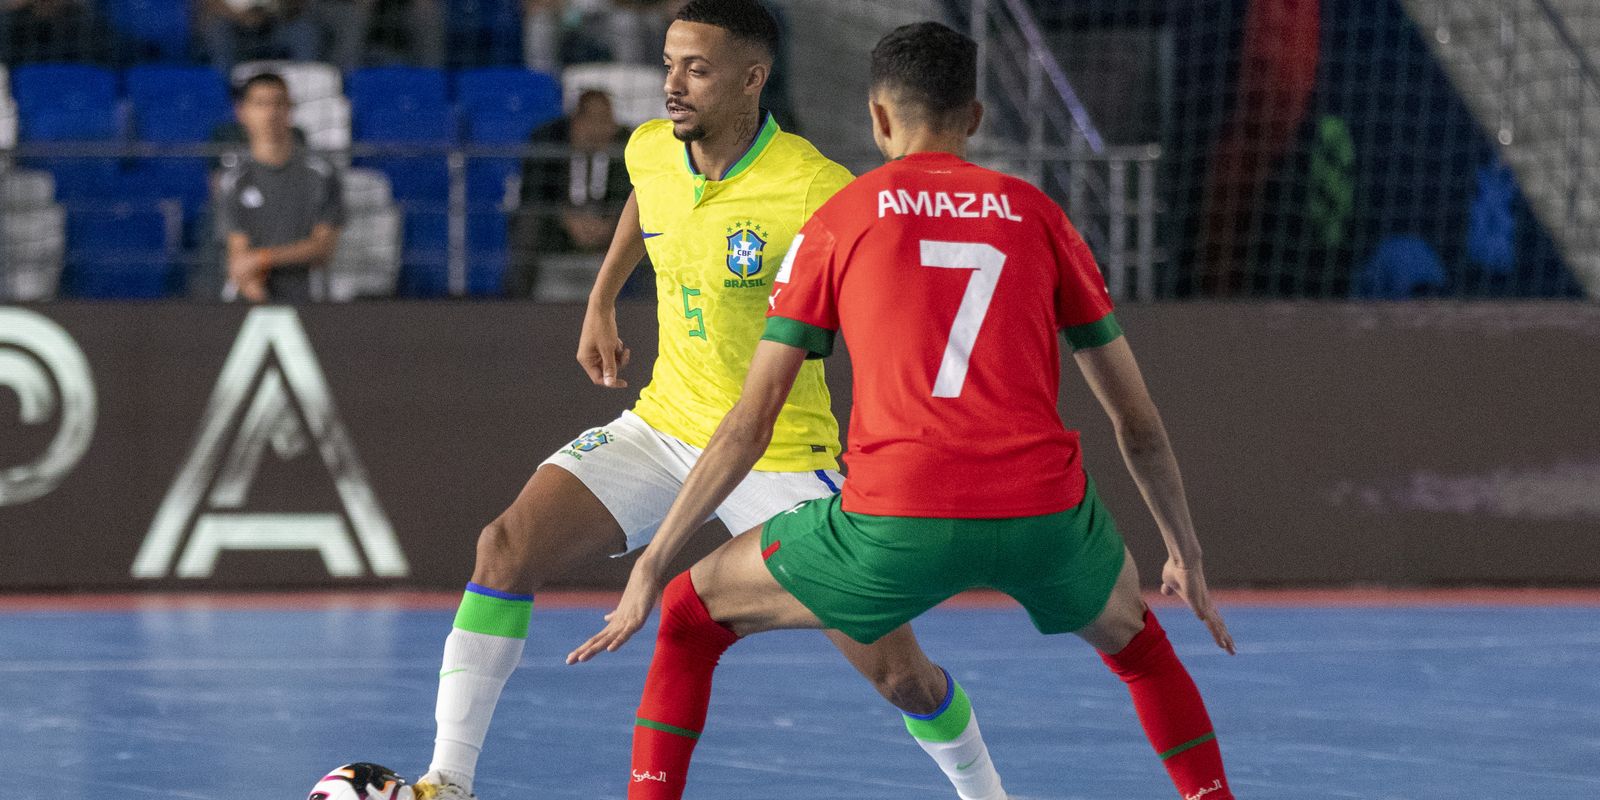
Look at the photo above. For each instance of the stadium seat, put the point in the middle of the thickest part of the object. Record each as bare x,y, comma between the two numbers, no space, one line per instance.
501,105
68,103
65,102
426,263
367,263
32,239
488,251
176,104
173,105
409,90
121,251
505,104
8,122
34,243
158,27
26,189
1404,266
635,89
326,123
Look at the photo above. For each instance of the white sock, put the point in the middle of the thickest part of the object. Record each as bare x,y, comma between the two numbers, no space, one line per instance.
951,737
474,670
965,761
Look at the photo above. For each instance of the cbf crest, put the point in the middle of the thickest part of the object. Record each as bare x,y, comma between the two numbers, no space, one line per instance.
588,443
746,241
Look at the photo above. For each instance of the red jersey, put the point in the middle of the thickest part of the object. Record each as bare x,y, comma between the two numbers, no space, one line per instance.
949,283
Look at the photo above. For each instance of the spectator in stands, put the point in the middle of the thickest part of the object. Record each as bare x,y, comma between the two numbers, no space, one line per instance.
571,31
257,29
569,205
51,30
281,206
414,28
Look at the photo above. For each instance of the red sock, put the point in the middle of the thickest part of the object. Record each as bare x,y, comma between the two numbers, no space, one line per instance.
1172,713
673,709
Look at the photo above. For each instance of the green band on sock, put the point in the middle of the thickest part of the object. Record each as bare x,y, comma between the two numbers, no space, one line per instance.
665,728
950,723
1189,745
494,616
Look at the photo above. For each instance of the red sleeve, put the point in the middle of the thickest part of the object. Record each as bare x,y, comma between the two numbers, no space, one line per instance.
806,286
1081,294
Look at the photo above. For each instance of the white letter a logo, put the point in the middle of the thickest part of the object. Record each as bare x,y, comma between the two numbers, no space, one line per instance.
226,467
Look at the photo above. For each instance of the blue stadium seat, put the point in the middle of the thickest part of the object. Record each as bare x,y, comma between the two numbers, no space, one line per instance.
176,104
121,251
65,102
159,27
68,103
488,252
505,104
425,260
416,91
501,105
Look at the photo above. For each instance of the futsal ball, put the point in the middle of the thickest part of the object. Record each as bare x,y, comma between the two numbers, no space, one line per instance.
361,781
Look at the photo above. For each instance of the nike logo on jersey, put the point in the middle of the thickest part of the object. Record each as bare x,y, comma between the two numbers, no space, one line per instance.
958,205
648,235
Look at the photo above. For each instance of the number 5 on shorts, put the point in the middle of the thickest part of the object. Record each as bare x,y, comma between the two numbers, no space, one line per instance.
985,261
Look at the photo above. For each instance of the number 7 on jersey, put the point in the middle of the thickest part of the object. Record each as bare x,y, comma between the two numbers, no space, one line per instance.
985,261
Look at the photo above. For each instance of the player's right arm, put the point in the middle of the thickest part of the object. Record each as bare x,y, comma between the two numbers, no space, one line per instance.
1113,375
600,350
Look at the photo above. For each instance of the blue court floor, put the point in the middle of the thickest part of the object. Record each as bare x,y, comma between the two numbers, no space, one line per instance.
1369,703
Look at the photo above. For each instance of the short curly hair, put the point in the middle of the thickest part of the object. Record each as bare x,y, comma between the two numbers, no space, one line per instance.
746,20
929,68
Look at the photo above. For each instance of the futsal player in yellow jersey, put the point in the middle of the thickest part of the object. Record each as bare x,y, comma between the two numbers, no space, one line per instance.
719,193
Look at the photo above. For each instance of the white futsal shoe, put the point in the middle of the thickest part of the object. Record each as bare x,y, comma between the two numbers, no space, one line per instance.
433,786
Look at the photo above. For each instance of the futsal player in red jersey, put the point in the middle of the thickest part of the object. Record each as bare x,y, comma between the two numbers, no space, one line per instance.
950,283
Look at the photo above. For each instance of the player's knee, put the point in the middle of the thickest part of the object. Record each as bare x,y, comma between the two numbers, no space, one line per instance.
685,621
502,559
910,690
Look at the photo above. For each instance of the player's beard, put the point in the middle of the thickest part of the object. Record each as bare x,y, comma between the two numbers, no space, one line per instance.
694,134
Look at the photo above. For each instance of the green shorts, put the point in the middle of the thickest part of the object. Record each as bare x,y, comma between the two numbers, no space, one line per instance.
866,575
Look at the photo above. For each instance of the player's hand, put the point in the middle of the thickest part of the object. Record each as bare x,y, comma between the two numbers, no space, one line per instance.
601,352
1189,583
644,589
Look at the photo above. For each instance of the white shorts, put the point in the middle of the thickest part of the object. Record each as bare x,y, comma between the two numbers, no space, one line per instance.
636,471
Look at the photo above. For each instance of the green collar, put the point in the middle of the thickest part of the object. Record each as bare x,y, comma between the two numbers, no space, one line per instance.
768,132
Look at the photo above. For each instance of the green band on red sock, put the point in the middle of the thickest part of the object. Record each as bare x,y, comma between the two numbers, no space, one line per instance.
946,724
1189,745
494,616
665,728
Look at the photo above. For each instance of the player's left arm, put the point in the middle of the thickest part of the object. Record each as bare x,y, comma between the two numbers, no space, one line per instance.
738,443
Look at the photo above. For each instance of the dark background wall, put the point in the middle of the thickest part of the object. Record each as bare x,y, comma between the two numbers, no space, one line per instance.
1322,444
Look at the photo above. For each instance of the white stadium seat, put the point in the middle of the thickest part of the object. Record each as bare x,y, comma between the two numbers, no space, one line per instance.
635,89
33,243
367,263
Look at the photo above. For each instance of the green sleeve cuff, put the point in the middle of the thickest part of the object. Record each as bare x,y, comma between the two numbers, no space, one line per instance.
817,342
1093,334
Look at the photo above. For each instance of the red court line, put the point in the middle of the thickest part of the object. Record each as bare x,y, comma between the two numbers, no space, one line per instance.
1357,597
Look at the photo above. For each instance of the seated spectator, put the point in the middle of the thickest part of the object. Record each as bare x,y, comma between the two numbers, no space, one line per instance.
234,29
569,205
52,30
410,31
280,207
557,32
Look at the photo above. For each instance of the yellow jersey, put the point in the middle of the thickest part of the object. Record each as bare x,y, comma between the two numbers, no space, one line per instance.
715,246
